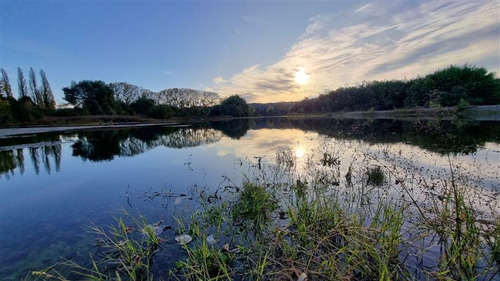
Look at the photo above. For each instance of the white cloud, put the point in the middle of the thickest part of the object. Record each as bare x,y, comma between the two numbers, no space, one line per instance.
219,80
389,42
363,8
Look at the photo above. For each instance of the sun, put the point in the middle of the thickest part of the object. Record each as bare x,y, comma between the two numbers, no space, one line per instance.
299,153
301,77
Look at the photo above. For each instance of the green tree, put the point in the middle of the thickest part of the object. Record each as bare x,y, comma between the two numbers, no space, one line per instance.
6,88
143,105
5,111
25,109
234,106
46,90
161,111
94,97
21,84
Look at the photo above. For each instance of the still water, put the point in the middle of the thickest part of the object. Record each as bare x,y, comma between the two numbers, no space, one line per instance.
54,186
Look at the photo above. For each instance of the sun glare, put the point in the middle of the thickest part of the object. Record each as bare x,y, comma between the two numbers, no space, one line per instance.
301,77
299,153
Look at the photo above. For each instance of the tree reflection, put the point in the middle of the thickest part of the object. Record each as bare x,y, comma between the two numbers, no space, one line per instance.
105,145
442,136
44,150
40,155
234,129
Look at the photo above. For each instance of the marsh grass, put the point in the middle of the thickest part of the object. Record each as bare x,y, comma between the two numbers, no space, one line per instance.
205,262
292,228
375,176
124,252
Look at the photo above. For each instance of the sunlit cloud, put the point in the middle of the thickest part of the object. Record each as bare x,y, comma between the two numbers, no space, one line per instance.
219,80
375,42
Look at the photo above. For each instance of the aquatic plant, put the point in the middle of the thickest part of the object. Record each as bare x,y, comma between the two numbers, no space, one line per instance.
274,227
375,176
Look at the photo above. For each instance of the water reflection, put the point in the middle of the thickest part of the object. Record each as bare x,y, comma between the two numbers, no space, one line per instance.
442,136
105,145
44,150
48,156
41,211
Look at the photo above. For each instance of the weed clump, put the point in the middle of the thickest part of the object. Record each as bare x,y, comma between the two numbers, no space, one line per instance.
254,206
375,176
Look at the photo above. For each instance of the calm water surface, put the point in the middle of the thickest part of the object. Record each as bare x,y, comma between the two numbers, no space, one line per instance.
53,186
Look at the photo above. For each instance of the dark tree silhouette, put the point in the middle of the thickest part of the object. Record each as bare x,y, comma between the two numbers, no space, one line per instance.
94,97
21,83
36,95
46,90
232,106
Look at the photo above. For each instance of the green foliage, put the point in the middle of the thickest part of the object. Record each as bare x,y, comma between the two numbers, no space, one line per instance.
161,111
206,262
254,206
95,97
143,105
6,88
325,234
146,106
232,106
5,111
25,110
445,87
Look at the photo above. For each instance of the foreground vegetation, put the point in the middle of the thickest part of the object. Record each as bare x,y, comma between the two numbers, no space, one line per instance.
367,223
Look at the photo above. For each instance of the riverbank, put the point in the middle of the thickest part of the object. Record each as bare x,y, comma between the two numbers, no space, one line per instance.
478,113
58,124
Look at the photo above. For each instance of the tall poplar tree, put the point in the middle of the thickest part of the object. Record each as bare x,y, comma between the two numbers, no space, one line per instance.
36,95
21,83
6,88
47,95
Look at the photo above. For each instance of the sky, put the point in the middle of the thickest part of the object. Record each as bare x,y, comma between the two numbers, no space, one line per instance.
265,51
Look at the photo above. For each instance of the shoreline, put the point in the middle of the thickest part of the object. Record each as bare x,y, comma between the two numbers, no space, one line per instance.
11,132
475,113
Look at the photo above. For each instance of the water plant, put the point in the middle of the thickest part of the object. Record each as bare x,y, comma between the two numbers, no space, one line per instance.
375,176
305,226
124,252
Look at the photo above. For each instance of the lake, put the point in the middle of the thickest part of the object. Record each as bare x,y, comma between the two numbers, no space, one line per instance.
54,186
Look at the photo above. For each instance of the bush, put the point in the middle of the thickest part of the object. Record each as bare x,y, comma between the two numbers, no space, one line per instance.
161,111
142,105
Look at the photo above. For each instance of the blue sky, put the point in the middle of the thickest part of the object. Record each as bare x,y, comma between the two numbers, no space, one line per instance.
251,48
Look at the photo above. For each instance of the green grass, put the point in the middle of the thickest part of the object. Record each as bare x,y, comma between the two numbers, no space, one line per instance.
276,229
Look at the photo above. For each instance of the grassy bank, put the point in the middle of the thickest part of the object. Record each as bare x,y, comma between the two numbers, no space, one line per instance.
479,113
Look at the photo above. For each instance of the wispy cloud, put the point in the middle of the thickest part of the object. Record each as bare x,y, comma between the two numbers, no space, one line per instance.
363,8
379,42
250,19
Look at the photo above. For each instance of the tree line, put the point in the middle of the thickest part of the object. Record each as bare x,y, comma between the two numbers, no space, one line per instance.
89,97
34,99
452,86
94,97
